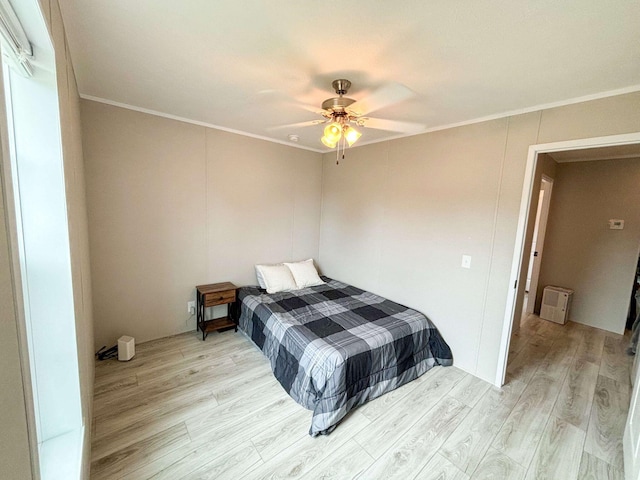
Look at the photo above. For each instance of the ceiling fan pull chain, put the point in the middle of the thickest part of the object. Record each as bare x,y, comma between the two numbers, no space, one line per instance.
342,143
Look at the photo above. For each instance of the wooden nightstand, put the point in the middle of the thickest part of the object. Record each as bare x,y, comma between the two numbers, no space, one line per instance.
210,295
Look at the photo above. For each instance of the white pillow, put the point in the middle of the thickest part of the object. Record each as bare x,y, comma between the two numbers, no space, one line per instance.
304,273
259,275
276,278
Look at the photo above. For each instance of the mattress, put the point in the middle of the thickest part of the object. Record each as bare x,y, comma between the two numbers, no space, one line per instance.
334,347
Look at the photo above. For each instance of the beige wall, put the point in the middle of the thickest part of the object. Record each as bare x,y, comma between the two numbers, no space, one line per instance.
15,458
581,252
173,205
398,216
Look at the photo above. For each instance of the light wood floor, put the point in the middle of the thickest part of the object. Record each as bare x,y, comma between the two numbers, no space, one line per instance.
183,408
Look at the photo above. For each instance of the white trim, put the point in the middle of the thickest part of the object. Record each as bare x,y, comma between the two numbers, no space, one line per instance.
598,159
496,116
631,455
194,122
532,158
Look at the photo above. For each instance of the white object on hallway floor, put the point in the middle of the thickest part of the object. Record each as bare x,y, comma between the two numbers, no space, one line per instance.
556,302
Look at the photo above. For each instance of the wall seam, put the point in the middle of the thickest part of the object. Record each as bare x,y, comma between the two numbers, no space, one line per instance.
293,215
383,219
321,219
493,244
206,207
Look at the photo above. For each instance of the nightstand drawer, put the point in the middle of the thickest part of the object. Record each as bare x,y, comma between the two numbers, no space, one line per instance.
219,298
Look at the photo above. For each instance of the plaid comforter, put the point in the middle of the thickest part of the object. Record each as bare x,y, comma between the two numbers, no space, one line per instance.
334,347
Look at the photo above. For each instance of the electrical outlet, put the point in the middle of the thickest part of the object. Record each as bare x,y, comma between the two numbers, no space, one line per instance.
191,307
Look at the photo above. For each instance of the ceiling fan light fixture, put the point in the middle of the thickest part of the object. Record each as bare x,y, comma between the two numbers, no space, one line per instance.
328,142
351,135
333,131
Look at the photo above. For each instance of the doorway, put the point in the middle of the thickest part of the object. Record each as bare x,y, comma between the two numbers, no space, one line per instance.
631,142
519,262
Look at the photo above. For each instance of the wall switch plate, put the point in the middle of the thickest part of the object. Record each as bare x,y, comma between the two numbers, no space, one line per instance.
616,224
191,307
466,261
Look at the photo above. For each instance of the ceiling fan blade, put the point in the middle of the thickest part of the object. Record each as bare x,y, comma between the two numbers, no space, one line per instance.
311,108
382,97
393,125
297,125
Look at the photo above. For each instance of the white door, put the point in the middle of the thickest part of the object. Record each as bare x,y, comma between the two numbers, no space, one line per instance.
538,240
534,252
631,438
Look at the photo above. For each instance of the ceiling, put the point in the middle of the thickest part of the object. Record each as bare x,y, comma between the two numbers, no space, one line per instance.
252,65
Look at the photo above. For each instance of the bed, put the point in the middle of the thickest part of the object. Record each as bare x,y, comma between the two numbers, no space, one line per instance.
334,347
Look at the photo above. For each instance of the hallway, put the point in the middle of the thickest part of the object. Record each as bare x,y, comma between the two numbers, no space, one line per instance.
578,386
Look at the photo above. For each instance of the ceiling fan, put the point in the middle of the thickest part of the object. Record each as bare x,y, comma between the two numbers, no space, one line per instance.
343,114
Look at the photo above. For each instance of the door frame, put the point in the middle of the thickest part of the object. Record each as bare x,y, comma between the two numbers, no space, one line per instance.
523,220
631,445
542,231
